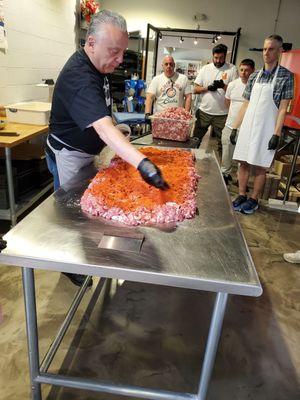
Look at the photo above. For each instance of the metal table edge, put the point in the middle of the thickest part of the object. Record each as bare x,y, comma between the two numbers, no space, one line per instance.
139,276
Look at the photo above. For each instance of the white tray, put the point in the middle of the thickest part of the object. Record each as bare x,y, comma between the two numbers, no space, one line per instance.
32,112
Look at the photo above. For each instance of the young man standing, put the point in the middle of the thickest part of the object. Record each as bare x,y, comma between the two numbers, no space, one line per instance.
234,100
267,95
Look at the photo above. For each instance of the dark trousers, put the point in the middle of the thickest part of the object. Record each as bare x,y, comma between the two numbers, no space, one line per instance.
205,120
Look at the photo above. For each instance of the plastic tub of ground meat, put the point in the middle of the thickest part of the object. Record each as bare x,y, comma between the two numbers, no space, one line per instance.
172,124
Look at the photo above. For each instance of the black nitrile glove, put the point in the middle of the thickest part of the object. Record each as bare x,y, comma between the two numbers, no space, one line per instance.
219,83
152,174
212,87
233,136
148,120
273,142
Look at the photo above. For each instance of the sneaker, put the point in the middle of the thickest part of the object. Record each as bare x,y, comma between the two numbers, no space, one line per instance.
77,279
237,203
292,257
249,206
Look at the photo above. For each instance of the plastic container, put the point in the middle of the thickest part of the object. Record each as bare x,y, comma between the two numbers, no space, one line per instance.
2,123
291,61
33,112
171,128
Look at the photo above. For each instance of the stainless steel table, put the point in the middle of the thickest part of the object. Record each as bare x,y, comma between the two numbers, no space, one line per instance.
24,133
207,253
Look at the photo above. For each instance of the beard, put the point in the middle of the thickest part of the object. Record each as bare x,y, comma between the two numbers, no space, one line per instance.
219,64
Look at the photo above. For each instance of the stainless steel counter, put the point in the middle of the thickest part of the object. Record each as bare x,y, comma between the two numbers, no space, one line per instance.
207,253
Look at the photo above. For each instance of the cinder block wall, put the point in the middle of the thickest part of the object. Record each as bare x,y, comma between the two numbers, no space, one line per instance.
41,38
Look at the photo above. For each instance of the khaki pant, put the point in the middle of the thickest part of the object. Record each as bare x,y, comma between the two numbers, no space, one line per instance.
227,151
205,120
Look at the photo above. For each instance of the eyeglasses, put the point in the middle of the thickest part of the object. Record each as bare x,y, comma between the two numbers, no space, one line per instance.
170,63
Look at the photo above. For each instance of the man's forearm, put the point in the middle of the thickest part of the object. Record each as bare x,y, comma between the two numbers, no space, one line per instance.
281,116
148,103
239,119
199,89
188,102
117,142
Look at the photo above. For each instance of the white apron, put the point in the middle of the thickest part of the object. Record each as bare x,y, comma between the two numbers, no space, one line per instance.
258,126
69,163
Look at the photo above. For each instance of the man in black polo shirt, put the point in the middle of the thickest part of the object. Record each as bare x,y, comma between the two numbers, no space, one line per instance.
80,121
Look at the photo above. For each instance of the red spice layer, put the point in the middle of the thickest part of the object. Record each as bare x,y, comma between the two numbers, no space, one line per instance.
119,193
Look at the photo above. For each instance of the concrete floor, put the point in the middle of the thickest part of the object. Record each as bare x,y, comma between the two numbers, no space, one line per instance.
154,336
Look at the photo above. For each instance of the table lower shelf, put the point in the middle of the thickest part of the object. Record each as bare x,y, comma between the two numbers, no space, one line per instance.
26,202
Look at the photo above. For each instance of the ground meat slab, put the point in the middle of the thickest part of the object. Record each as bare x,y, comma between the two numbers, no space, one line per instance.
174,123
118,192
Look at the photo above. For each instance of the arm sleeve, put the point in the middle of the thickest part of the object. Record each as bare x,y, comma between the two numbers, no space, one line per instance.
199,78
288,88
153,86
249,86
228,91
89,105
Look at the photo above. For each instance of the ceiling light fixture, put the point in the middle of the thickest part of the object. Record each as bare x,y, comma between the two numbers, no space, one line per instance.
160,36
219,36
181,40
195,41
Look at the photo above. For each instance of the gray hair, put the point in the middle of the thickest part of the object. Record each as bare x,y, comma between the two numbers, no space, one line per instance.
106,17
277,38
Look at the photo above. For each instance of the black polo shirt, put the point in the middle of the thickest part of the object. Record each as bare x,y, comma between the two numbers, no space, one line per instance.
81,96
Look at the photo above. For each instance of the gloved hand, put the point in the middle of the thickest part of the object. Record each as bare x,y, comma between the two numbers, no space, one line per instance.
147,118
273,142
219,83
152,174
212,87
233,136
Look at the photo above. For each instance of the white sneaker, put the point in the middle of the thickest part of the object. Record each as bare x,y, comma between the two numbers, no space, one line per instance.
292,257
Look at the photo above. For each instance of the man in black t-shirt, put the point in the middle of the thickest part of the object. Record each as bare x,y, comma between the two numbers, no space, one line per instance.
80,120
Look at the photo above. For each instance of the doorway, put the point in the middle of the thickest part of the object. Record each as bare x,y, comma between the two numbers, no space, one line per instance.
191,49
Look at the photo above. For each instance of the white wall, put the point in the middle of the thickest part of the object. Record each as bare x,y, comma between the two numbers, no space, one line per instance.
187,50
255,17
41,38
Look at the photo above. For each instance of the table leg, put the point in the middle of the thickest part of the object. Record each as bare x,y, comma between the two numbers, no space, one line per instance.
212,343
288,185
32,331
10,182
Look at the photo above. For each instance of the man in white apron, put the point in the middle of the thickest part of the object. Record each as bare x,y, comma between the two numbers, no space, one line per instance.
80,120
267,95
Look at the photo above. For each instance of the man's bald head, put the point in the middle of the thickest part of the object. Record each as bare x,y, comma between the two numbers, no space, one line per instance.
168,65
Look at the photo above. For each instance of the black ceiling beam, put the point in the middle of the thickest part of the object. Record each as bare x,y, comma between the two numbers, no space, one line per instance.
194,31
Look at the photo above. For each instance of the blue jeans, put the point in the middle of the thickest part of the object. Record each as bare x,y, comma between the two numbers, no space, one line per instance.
53,169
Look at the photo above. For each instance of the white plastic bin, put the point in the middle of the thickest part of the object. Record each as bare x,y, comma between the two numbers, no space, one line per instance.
33,112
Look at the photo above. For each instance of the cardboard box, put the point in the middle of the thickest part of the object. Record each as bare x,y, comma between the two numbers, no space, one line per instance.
284,168
271,186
